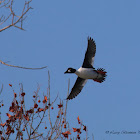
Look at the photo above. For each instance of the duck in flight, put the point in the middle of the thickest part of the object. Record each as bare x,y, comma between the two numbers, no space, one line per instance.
87,71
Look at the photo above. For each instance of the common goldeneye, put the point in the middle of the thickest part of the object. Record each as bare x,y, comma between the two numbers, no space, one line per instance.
87,71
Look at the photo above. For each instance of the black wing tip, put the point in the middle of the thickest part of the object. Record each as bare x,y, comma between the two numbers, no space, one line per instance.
90,39
69,98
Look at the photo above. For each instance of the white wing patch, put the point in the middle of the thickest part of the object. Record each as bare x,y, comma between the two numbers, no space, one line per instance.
90,53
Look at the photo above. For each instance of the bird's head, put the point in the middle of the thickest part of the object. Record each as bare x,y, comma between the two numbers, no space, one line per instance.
70,70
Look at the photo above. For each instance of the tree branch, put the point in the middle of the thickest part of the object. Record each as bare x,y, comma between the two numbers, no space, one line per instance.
21,67
1,89
12,16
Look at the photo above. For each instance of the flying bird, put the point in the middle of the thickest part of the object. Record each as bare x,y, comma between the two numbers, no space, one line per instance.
87,71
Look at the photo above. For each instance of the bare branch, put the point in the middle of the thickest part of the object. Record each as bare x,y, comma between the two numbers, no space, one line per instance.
21,67
49,99
38,123
67,100
3,3
1,89
15,18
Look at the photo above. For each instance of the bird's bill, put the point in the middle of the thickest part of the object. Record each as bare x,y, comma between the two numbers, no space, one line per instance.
65,72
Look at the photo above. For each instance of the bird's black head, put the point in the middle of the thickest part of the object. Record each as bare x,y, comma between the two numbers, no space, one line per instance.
70,70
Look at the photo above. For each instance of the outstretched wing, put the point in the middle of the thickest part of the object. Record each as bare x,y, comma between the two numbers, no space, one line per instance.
79,84
90,53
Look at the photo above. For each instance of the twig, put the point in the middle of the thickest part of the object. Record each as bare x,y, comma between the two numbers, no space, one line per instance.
4,20
67,100
21,67
35,136
12,14
1,89
5,4
38,124
49,99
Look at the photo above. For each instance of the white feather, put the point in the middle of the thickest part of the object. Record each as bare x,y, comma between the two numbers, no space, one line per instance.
86,73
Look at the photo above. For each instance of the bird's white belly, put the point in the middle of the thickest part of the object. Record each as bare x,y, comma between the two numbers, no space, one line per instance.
86,73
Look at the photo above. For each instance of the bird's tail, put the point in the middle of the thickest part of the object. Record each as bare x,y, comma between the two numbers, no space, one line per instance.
102,75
